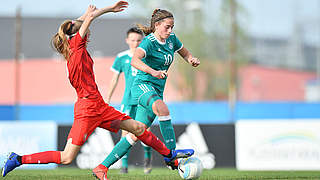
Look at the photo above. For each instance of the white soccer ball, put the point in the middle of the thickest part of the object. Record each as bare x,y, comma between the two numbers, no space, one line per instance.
190,168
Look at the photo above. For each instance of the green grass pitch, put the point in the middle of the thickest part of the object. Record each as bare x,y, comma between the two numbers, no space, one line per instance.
159,174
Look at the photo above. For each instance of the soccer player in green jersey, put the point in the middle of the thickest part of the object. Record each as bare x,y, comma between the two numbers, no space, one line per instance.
153,58
122,64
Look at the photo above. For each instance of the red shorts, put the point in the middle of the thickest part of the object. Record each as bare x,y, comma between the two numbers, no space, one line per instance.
90,114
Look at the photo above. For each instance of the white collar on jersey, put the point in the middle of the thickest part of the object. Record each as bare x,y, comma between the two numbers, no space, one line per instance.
130,54
163,43
126,52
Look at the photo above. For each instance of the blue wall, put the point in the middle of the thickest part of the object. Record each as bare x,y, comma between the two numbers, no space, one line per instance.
7,112
219,112
63,114
182,113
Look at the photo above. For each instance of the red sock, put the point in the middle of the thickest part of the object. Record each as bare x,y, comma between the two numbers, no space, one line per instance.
42,158
151,140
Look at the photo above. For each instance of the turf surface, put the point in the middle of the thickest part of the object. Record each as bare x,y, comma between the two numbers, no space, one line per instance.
159,174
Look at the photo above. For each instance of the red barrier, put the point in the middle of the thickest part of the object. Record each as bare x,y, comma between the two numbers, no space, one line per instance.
45,81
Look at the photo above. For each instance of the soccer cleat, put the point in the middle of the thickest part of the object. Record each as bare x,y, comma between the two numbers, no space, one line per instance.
147,166
100,172
176,154
123,170
173,165
11,163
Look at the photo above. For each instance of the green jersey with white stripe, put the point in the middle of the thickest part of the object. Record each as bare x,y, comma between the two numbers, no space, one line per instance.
159,56
122,63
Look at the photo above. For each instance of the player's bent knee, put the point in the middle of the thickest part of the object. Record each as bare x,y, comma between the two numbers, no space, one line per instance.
164,112
160,108
138,128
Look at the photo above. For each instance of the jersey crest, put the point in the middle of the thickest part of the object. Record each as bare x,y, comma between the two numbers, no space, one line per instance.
170,45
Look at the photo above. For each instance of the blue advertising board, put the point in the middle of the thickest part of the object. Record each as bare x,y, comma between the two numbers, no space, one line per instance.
27,138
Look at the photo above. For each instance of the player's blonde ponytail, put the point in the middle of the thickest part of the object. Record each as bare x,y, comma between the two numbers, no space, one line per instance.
60,39
157,16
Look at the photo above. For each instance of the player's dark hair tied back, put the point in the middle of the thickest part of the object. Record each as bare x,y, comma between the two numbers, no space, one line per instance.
157,16
161,18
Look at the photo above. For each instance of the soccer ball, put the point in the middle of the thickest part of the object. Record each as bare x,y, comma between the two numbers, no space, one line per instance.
190,168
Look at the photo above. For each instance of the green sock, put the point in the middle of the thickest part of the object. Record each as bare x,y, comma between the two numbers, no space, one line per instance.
125,159
119,150
147,151
167,131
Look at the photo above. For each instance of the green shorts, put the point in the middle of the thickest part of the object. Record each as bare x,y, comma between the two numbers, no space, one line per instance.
145,116
144,95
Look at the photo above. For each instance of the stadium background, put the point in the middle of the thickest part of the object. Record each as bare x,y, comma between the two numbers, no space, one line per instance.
261,73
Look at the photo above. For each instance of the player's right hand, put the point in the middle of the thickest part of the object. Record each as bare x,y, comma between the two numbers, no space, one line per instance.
160,74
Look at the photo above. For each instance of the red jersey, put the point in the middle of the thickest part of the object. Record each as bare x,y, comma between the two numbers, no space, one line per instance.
80,67
89,112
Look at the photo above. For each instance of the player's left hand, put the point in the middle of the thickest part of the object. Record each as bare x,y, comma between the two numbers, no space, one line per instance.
194,61
119,6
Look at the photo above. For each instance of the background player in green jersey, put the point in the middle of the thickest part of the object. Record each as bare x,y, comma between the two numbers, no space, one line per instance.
153,58
122,64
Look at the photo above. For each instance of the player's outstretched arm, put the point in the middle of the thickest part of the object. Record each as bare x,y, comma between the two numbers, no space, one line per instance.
139,64
187,56
92,13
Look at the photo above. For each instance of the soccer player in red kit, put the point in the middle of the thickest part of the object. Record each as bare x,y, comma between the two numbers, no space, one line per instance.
90,110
